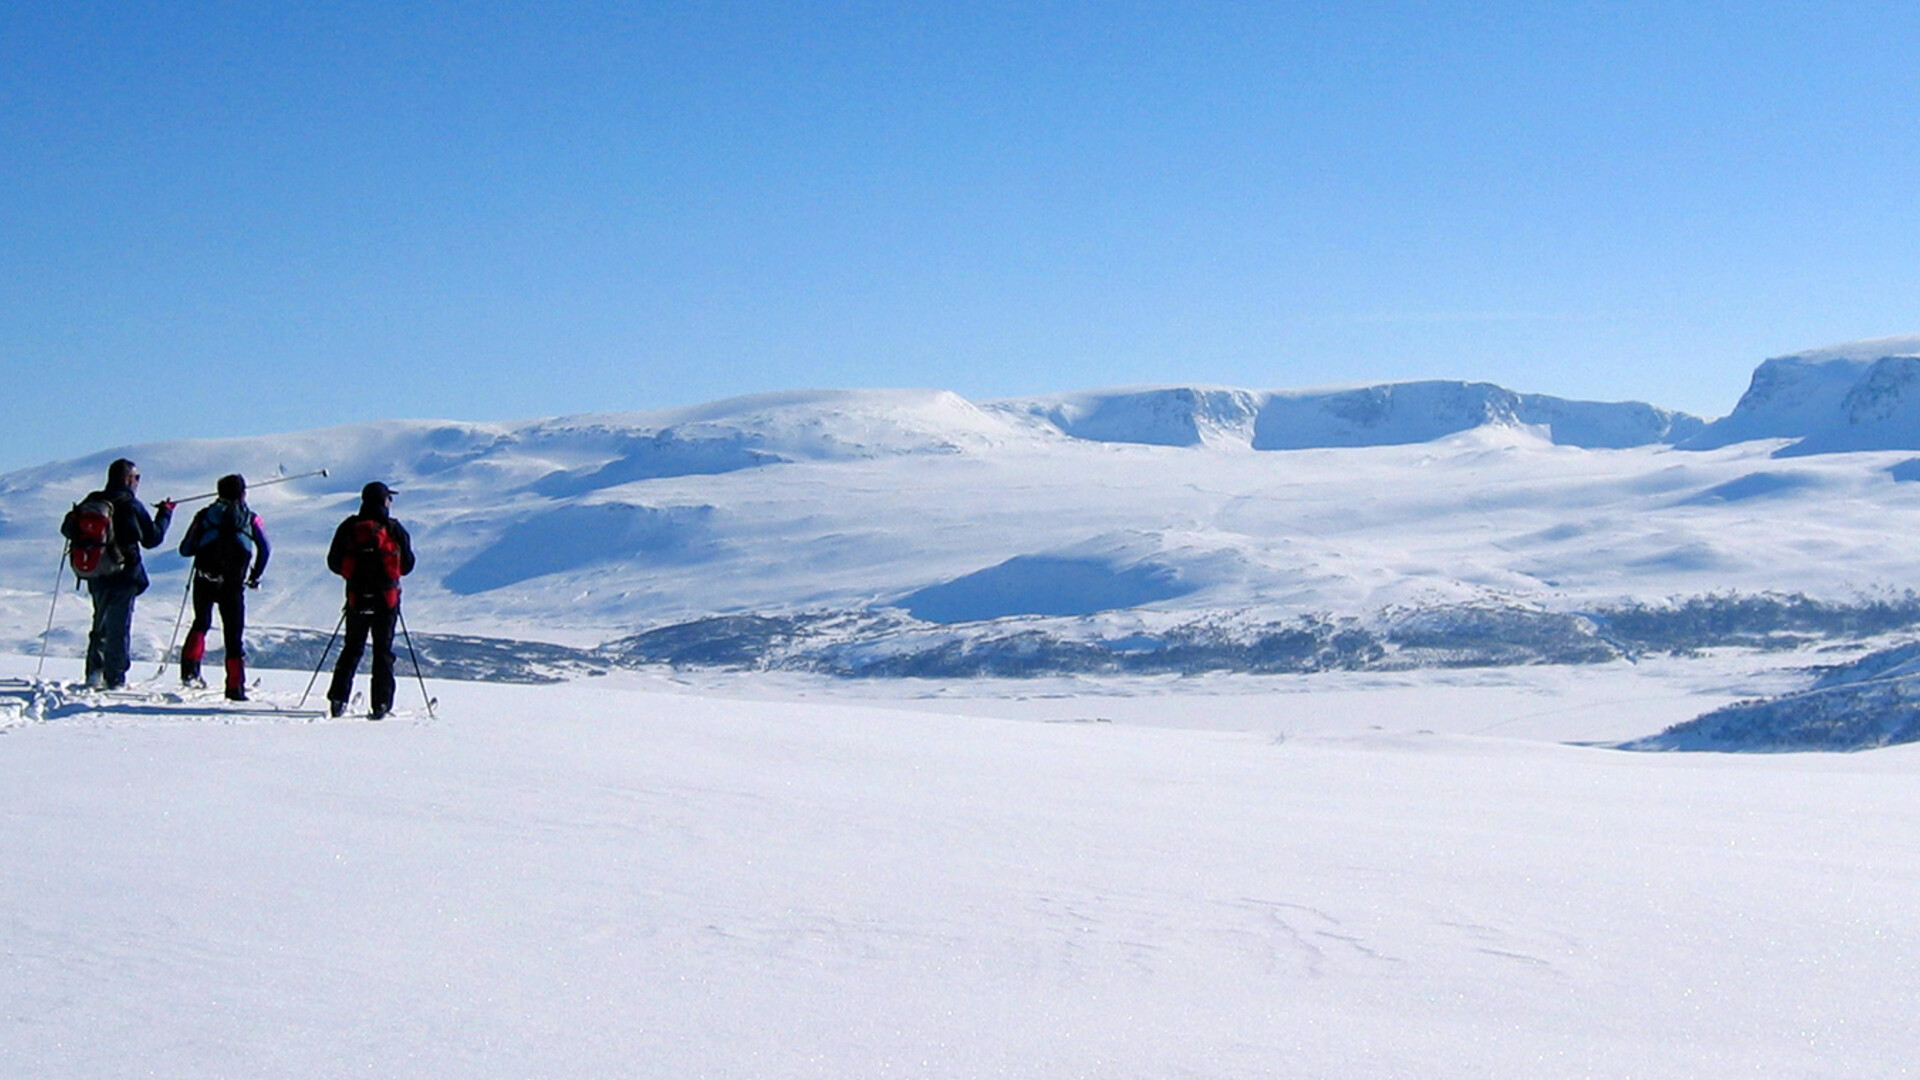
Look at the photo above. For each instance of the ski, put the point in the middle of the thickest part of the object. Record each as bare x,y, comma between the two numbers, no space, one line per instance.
402,714
289,714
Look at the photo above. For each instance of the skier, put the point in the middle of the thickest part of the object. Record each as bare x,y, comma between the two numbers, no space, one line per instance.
229,552
372,552
113,593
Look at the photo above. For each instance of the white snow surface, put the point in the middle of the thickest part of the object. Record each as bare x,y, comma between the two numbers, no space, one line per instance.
769,877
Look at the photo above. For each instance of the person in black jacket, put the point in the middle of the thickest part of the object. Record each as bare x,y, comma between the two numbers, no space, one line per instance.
372,552
113,595
229,550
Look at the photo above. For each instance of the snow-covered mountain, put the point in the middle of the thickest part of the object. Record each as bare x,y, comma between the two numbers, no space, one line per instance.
1390,414
1859,396
906,531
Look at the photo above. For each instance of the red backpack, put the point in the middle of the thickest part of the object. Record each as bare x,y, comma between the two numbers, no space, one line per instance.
92,552
371,565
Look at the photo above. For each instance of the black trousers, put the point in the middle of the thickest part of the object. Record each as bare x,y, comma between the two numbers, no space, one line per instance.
360,625
230,596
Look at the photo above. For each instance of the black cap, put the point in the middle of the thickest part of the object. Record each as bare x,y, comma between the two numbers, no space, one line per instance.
375,492
232,487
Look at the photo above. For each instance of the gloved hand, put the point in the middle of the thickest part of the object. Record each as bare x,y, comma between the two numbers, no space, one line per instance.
253,582
165,506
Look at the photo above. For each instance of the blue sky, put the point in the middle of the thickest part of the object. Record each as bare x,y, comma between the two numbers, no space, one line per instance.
221,219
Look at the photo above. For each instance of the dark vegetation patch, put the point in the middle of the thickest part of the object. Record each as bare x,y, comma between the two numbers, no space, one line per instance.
891,644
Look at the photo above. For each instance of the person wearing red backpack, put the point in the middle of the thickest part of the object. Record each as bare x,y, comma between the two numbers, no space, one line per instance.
372,552
123,576
229,551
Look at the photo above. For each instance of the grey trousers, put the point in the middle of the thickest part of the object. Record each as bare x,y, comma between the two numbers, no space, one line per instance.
107,642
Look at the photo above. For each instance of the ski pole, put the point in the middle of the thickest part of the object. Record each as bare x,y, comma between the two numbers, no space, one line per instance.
250,487
416,662
323,659
48,635
177,620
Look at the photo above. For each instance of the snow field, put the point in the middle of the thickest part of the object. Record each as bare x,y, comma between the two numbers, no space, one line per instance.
633,877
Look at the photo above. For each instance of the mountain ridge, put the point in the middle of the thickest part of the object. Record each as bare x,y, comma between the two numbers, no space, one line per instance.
1184,499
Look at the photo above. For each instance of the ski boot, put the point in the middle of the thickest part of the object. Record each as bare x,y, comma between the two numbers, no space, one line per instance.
191,652
236,679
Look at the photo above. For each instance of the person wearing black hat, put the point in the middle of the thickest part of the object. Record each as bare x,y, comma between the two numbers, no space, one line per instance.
372,552
229,552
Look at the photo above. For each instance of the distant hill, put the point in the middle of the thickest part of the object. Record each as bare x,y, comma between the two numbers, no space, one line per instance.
1867,704
1390,414
1860,396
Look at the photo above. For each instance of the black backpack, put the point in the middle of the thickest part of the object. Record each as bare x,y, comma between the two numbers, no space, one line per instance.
226,546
